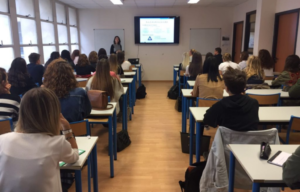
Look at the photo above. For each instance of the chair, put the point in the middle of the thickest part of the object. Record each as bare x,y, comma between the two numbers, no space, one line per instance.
294,126
202,102
80,128
82,83
6,126
270,99
269,78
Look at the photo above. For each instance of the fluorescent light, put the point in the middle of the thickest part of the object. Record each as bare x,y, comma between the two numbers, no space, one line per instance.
193,1
117,2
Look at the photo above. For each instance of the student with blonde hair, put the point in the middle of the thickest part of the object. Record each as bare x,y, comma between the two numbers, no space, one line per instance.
255,73
186,60
227,62
35,149
114,66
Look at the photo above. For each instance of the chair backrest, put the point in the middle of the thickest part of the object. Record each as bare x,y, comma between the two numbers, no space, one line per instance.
82,83
270,99
130,68
80,128
269,78
294,125
201,102
6,126
182,72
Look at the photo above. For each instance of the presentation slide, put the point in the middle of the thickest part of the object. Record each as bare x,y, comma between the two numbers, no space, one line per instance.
157,30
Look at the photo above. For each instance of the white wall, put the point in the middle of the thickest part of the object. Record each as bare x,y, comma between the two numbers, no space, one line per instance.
157,60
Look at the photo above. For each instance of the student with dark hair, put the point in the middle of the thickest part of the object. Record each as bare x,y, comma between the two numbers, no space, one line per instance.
238,111
210,85
35,69
116,46
65,54
101,51
83,68
291,73
114,65
121,61
195,68
206,65
218,55
75,56
19,77
267,62
54,55
93,58
244,58
227,63
102,57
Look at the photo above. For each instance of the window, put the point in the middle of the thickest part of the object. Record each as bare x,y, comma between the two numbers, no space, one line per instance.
62,34
47,52
27,31
72,17
4,6
7,56
26,51
5,32
74,35
63,47
74,47
48,33
46,10
25,8
61,14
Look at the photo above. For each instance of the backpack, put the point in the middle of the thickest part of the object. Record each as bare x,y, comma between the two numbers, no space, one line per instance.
178,104
193,175
173,92
141,92
123,140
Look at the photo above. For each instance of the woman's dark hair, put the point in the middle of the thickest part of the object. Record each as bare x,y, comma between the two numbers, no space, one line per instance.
115,40
208,55
101,52
292,64
54,55
120,57
244,56
18,74
266,59
83,60
65,54
103,57
3,81
195,67
213,70
75,53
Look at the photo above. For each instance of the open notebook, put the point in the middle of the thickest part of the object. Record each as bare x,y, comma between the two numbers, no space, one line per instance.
80,151
279,158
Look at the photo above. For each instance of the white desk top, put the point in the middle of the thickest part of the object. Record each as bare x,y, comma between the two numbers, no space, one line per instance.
265,114
138,65
126,80
134,69
85,144
129,73
192,83
269,82
176,69
81,79
259,170
175,66
125,90
104,113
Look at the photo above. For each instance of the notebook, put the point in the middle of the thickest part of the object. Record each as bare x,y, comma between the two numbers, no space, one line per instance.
279,158
80,151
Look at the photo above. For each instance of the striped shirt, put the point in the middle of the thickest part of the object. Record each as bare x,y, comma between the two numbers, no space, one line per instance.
9,107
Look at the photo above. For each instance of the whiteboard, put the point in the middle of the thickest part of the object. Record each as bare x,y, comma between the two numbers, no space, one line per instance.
205,40
104,38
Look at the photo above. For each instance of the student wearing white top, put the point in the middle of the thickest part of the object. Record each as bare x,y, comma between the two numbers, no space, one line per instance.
227,63
121,61
267,62
30,156
244,58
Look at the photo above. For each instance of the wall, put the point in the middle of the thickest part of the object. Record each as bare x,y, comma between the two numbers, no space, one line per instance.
157,60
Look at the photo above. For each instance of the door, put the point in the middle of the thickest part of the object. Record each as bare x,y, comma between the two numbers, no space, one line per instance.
237,42
286,26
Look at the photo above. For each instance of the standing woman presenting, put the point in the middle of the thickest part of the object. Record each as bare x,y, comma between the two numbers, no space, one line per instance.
116,47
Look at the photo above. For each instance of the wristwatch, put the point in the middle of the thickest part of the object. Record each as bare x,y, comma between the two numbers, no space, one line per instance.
67,131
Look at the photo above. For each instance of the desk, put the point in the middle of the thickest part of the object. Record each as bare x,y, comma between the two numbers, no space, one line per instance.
112,131
124,109
140,73
129,82
191,84
134,76
267,115
81,79
90,147
271,176
175,72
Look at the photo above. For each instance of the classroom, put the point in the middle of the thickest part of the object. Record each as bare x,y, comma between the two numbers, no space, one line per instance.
149,95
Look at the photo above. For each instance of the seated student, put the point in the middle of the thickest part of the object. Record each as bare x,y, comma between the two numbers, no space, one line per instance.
294,91
75,56
9,104
112,73
54,55
65,54
218,55
114,67
35,69
227,63
255,74
121,61
290,75
291,170
36,147
102,52
104,82
238,111
186,61
83,68
93,58
75,104
244,58
267,62
19,77
210,85
206,62
195,67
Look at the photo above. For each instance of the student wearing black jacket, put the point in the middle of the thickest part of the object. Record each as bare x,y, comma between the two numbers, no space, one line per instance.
218,55
237,112
35,69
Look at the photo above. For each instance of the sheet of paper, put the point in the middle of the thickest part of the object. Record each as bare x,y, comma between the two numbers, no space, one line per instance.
281,158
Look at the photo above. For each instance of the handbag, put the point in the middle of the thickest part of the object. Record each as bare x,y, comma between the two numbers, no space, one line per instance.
123,140
99,100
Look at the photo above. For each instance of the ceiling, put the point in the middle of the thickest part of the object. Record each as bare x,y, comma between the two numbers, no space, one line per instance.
98,4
